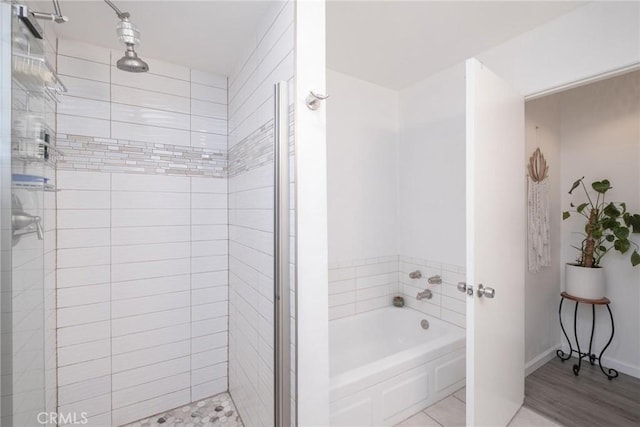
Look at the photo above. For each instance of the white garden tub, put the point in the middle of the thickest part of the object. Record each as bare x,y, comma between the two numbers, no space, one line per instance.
385,367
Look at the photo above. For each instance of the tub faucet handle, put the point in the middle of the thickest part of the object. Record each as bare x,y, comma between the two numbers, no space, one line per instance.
426,294
435,280
415,274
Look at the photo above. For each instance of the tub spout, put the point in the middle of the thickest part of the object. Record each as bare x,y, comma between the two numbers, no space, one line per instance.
426,294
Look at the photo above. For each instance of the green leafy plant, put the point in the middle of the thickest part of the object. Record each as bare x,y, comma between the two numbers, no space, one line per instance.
608,225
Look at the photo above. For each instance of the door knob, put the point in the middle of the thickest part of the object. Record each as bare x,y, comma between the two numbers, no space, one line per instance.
486,292
462,287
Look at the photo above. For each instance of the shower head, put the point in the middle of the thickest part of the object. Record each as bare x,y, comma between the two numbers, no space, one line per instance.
130,36
131,63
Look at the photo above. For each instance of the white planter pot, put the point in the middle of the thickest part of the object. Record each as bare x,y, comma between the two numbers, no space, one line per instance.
584,282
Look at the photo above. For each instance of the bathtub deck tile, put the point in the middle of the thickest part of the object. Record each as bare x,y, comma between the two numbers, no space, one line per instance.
449,412
419,420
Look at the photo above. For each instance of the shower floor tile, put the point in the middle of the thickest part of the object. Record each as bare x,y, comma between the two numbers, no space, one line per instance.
216,411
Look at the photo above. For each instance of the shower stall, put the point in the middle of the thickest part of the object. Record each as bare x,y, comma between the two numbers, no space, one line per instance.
149,217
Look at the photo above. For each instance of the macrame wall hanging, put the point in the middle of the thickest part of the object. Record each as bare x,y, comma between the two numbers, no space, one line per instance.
539,250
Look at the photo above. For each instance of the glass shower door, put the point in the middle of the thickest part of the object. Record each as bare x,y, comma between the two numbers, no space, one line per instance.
28,308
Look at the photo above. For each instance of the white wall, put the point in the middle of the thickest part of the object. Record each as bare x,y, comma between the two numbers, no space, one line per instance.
362,150
600,128
142,237
432,170
396,194
431,194
542,331
596,38
312,334
362,184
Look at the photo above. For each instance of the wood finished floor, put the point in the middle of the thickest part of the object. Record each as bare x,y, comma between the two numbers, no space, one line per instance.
589,399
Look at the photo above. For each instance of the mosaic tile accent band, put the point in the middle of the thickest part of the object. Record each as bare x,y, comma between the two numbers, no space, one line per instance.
87,153
252,152
257,149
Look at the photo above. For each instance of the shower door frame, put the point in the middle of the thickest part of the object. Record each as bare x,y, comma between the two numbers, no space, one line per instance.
281,251
6,14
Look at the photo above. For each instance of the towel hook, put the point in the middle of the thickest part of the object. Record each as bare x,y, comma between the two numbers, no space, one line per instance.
313,100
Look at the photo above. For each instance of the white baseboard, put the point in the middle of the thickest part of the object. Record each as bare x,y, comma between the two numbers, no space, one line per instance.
535,363
621,367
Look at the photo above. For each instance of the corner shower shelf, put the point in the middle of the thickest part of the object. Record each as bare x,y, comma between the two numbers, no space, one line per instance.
33,186
34,74
31,182
33,150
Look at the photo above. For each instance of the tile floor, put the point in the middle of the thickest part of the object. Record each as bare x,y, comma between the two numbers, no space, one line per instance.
450,412
216,411
219,411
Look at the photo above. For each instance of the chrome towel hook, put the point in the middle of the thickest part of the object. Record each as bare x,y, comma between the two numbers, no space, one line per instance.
313,100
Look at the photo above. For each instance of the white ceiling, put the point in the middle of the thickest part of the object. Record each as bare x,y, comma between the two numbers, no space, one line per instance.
392,43
398,43
205,35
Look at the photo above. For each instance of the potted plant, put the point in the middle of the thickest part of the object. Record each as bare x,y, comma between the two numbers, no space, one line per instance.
607,226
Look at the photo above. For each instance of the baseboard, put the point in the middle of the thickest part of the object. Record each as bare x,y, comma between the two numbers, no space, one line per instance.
623,368
535,363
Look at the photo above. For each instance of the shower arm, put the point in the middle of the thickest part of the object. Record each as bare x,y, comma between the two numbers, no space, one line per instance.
121,14
57,16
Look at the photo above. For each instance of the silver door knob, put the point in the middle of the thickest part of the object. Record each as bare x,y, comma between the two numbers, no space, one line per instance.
486,292
462,287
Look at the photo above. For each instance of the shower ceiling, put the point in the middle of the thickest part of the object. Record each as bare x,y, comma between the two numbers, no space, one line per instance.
206,35
398,43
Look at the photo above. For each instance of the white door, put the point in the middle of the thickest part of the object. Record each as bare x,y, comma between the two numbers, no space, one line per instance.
495,248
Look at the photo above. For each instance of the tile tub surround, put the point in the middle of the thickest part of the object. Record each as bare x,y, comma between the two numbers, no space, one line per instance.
216,411
368,284
447,303
142,237
362,285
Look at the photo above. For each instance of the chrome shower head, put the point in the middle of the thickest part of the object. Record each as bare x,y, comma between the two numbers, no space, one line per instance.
130,36
131,63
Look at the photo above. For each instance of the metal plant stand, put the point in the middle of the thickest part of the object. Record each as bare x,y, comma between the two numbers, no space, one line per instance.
609,372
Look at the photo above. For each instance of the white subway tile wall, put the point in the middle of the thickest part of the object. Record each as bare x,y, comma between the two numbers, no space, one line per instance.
251,283
142,249
158,122
368,284
362,285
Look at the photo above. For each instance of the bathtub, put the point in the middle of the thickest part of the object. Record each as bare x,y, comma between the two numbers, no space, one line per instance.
385,367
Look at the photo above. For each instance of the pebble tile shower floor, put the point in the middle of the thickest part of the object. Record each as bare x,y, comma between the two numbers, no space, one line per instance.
216,411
